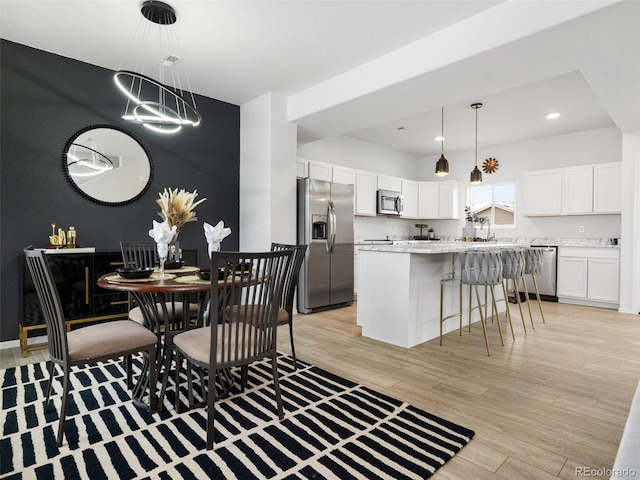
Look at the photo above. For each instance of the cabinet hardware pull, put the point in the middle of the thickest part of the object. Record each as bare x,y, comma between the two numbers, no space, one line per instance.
121,302
113,264
86,285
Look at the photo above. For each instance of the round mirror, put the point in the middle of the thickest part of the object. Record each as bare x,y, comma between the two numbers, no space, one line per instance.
107,165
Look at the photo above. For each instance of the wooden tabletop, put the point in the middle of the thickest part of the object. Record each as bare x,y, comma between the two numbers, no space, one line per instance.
174,282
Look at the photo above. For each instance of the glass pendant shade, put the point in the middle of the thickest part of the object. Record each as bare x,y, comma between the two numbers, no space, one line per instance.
442,165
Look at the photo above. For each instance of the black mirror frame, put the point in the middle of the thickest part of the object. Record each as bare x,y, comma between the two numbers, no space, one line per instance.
82,192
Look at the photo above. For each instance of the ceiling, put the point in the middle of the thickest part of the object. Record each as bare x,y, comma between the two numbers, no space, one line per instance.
380,71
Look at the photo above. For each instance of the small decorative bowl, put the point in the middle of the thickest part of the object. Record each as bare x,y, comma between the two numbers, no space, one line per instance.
174,264
205,274
132,273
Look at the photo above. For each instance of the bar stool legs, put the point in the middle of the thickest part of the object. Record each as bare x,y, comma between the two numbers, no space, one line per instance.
513,262
482,268
484,326
450,278
533,265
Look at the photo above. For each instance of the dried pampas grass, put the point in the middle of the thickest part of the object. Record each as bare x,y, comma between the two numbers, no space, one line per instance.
177,207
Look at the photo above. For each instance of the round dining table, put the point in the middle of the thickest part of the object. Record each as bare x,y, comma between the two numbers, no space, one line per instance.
160,298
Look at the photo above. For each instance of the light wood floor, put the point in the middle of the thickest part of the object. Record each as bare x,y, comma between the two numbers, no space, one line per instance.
554,400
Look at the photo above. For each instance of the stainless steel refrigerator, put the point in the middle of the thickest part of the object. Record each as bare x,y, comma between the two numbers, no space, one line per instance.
325,225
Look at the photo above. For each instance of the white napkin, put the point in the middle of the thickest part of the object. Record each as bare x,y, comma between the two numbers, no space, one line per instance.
215,235
162,234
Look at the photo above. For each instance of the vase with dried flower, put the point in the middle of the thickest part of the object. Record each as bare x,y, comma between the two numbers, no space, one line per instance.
469,231
177,207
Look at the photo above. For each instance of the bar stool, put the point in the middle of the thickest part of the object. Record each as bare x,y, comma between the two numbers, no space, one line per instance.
513,269
534,260
483,267
446,278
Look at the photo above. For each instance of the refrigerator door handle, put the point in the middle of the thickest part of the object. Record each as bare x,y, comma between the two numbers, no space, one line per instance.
331,220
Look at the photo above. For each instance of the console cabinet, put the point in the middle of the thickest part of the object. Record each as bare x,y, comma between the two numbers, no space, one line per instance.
82,300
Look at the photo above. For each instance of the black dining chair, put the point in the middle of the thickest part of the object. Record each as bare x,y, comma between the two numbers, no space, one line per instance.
243,324
89,344
141,254
285,312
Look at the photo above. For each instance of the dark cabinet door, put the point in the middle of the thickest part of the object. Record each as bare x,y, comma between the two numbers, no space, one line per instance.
74,280
107,302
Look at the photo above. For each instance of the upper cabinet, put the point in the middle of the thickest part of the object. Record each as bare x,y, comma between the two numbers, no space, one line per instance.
302,168
422,200
428,200
365,192
582,190
344,175
543,192
607,191
410,194
577,190
320,171
448,199
386,182
438,200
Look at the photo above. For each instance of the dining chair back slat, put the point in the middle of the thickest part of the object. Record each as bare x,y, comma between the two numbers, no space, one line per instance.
285,314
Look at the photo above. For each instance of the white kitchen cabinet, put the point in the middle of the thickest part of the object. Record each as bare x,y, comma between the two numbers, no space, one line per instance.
543,192
302,168
581,190
386,182
607,190
572,277
603,280
589,275
344,175
320,171
365,193
577,190
410,193
448,199
428,200
438,200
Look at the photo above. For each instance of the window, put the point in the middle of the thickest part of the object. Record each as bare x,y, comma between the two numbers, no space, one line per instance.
495,201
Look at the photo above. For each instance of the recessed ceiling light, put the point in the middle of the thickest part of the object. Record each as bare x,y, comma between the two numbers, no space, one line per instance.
439,138
553,115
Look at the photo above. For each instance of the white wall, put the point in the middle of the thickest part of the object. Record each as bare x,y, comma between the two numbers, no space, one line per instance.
267,174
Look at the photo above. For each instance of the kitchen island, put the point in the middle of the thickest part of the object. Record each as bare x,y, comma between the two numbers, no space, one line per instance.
399,290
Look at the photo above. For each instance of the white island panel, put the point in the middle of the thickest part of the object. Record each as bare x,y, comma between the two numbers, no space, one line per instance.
399,292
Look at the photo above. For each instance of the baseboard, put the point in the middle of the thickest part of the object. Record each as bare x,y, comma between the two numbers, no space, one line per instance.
16,343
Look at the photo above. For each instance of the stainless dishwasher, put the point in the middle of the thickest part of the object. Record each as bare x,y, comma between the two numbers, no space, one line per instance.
547,280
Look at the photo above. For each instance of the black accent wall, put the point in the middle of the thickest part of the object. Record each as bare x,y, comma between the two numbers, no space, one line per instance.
45,99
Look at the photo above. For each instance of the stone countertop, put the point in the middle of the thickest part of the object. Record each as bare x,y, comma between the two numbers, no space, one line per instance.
436,247
520,241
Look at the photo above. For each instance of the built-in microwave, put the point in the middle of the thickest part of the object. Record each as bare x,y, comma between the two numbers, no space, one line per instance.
390,203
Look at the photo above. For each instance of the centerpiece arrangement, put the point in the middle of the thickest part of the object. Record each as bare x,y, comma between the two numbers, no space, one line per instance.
177,207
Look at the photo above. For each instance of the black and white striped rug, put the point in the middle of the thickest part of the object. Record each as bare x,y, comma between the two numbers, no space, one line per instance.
333,429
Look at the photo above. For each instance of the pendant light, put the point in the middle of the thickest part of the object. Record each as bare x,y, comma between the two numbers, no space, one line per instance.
442,165
476,175
154,103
